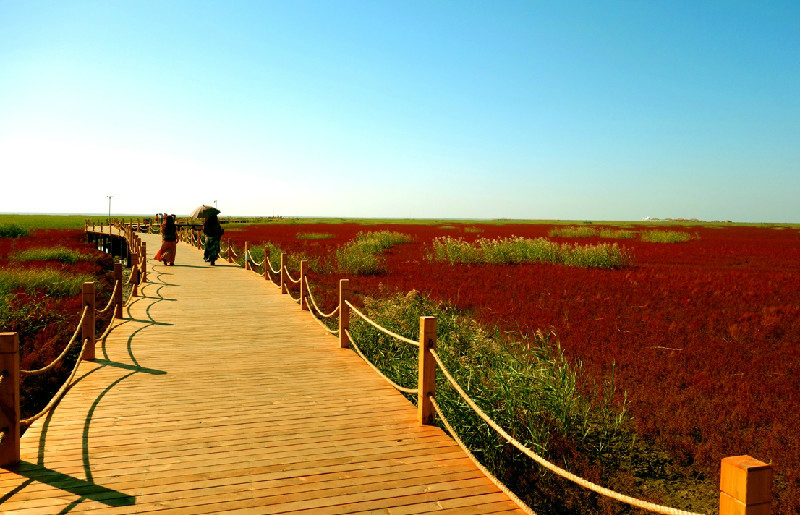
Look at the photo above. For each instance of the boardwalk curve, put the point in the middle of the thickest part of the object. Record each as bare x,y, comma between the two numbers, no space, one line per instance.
217,394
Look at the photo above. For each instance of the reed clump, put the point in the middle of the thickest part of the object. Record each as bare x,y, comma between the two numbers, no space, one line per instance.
314,236
362,256
666,236
12,230
57,253
525,384
516,250
54,282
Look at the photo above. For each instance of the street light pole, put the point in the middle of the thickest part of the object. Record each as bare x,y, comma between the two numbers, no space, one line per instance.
109,206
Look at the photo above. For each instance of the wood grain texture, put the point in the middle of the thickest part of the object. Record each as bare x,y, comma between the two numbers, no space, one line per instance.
218,394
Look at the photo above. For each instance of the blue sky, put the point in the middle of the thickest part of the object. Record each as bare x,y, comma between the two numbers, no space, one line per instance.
539,110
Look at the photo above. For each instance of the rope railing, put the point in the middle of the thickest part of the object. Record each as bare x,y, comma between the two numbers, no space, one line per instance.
322,324
289,276
376,369
59,394
58,359
314,303
379,327
638,503
110,300
248,256
499,484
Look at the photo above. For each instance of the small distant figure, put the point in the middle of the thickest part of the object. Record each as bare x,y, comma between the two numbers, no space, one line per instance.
169,241
213,231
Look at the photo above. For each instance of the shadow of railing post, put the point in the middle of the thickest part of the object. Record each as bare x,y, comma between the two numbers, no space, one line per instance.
88,326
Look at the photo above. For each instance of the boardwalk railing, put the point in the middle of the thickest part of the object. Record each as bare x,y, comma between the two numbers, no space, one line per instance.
745,484
11,374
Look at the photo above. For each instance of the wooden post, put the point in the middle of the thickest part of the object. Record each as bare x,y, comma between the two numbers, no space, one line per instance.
745,486
9,399
283,273
303,285
230,252
247,255
87,329
143,251
427,370
344,313
118,292
199,240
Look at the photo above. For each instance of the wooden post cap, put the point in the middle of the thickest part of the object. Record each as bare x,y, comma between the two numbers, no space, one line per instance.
746,480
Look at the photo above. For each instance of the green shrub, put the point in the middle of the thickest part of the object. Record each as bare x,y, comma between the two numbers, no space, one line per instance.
12,230
666,236
58,253
314,236
362,255
517,250
526,385
54,282
616,234
572,232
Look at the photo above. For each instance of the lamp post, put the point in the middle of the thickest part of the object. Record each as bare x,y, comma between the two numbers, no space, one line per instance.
109,206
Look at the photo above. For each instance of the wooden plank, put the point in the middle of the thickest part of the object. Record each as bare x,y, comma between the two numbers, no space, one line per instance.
217,393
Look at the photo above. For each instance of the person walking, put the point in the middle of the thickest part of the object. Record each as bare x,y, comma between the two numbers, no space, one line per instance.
213,231
169,241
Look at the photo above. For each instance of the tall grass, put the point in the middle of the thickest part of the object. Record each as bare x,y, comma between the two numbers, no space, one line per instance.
666,236
362,255
54,282
44,221
12,230
58,253
572,232
516,250
616,234
314,236
526,385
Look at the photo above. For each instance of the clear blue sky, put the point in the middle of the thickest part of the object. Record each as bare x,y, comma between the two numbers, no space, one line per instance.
609,110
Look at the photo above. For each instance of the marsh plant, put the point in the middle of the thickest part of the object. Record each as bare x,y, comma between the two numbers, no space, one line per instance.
12,230
362,256
57,253
314,236
666,236
516,250
525,384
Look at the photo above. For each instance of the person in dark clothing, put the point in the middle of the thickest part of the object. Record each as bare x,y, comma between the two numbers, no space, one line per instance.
213,231
169,241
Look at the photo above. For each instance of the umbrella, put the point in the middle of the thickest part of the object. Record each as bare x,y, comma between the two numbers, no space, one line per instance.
204,211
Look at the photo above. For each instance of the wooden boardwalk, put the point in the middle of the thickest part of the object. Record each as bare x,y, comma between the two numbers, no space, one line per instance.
217,394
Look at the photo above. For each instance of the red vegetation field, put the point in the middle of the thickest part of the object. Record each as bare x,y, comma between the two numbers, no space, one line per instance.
705,335
46,323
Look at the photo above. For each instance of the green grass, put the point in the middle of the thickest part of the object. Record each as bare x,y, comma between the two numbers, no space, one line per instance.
616,234
44,221
666,236
526,385
12,230
314,236
516,250
572,232
362,255
58,253
54,282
